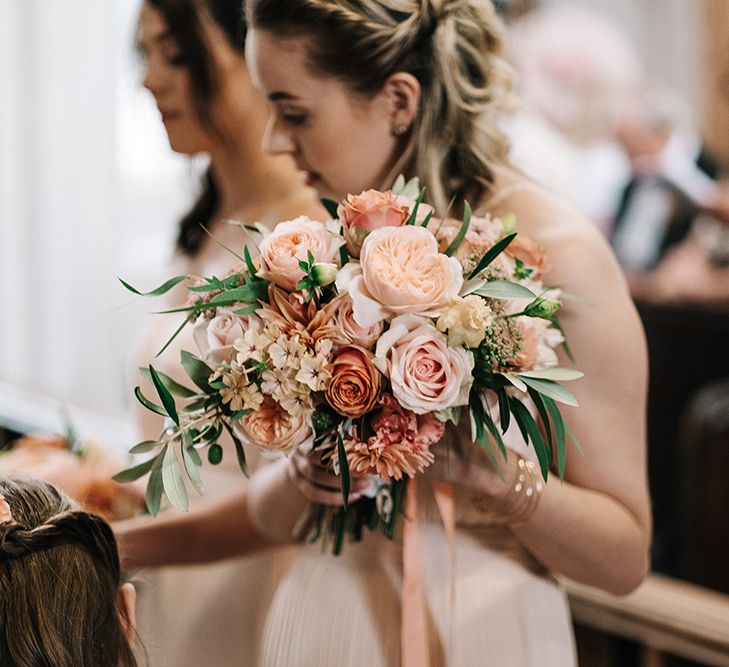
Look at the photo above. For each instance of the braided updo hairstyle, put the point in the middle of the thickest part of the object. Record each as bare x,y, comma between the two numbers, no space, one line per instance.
452,47
59,578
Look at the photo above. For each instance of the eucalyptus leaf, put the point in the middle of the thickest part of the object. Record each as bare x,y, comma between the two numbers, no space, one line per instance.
148,404
155,486
132,474
172,481
554,374
162,289
552,389
172,386
492,254
198,371
502,289
462,231
165,396
143,448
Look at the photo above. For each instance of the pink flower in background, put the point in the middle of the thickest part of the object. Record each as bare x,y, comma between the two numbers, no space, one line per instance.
289,243
215,337
425,373
400,271
400,446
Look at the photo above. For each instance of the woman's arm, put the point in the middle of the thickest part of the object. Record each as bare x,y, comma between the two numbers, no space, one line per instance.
261,515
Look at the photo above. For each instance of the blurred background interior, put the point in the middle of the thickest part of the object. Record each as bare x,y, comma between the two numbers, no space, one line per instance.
624,111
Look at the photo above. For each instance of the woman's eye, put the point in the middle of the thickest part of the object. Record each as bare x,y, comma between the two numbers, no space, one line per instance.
177,60
294,119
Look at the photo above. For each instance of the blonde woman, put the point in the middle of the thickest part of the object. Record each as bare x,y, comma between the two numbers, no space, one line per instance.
363,90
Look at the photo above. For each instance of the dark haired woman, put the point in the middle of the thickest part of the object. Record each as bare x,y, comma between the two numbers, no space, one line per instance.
62,598
195,68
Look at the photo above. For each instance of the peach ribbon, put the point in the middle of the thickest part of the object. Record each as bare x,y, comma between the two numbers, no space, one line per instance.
414,632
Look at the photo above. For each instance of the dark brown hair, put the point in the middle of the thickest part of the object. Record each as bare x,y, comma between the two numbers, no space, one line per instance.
185,21
452,47
59,583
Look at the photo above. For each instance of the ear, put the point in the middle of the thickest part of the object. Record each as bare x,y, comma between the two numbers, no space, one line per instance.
126,601
402,91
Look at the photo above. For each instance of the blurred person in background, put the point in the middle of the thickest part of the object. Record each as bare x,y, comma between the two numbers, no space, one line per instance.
669,231
194,67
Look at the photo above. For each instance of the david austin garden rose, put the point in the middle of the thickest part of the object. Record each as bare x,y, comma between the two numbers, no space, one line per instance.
215,338
273,430
363,213
400,271
426,374
290,243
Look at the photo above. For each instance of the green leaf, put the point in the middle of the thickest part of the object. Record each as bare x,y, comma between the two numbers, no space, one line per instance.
131,474
426,219
462,231
148,404
553,390
414,213
492,254
248,310
343,255
343,469
172,481
517,382
249,261
194,456
162,289
502,289
191,466
331,206
198,371
239,451
573,437
237,416
250,293
155,486
215,454
504,412
172,386
144,447
559,432
527,423
554,374
212,433
542,410
165,396
478,420
491,426
175,334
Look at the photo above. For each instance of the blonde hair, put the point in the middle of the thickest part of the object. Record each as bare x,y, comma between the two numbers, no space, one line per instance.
454,49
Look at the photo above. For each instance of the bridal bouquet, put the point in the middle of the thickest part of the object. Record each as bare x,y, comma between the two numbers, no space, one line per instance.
362,337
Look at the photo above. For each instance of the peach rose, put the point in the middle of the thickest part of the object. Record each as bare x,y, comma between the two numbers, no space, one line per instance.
360,214
426,375
215,337
355,383
400,271
530,253
273,430
344,321
289,243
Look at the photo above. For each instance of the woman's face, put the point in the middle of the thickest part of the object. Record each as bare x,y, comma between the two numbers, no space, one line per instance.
342,141
167,77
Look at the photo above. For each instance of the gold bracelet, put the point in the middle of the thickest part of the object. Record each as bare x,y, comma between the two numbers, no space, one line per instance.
519,502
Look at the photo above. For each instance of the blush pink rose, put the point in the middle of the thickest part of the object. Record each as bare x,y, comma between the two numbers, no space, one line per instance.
289,243
363,213
538,343
365,337
215,338
400,271
426,374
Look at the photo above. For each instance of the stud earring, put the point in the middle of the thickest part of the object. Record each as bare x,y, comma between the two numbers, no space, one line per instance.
399,130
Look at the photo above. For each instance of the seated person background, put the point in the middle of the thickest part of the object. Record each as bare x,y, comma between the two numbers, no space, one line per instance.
62,599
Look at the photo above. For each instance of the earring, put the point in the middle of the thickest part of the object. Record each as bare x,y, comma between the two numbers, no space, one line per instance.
400,130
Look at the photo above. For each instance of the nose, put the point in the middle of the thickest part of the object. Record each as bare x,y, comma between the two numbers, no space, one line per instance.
277,139
153,79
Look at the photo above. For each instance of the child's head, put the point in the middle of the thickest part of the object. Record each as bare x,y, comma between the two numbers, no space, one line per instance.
62,601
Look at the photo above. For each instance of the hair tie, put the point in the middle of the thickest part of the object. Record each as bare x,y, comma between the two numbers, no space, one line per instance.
6,515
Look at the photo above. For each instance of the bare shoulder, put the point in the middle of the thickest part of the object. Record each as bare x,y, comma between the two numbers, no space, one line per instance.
298,202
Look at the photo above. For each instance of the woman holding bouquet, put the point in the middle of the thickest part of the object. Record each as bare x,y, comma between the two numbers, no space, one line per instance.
194,66
364,90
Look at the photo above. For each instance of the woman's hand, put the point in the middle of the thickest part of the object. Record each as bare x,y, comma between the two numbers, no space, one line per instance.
312,474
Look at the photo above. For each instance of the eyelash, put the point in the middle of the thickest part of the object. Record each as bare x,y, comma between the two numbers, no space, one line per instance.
294,119
177,60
